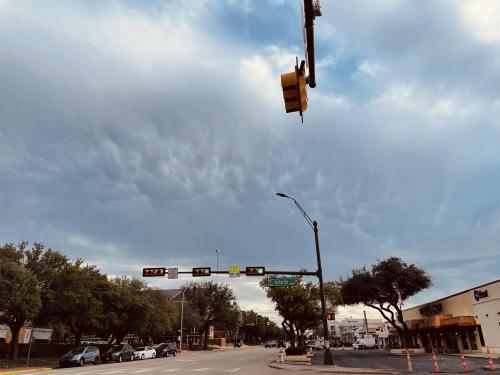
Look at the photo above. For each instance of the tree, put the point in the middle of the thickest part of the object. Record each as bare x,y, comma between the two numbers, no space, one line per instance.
19,293
300,306
212,301
383,288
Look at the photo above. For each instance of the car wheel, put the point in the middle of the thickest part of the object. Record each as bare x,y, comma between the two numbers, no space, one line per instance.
154,355
81,362
132,357
96,360
175,353
119,358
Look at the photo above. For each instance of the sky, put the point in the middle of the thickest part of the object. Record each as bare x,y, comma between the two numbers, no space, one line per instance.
136,134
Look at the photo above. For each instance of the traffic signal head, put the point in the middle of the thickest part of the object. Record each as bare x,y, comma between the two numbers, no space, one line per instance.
330,316
151,272
201,271
255,271
294,90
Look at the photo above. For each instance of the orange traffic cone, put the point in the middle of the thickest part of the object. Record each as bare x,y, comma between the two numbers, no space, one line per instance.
410,368
490,361
464,362
435,362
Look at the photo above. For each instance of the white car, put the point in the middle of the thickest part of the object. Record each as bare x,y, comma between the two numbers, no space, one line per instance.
144,352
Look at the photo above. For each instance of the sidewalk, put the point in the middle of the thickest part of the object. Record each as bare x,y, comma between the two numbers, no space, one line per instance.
303,363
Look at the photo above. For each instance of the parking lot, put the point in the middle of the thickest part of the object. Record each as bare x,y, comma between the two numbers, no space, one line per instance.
421,363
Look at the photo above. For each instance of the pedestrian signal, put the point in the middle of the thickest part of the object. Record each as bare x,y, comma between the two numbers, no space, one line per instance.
330,316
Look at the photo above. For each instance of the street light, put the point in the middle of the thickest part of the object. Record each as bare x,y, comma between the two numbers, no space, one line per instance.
328,359
217,252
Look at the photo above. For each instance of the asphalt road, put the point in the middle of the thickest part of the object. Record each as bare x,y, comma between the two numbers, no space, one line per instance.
241,361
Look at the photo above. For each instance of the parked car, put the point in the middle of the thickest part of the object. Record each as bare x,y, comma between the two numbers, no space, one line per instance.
165,349
364,343
281,344
118,353
271,344
237,344
80,355
144,352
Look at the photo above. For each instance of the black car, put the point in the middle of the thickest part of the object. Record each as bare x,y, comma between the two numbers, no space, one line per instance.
118,353
281,344
166,349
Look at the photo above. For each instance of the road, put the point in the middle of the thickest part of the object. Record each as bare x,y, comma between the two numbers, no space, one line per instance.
241,361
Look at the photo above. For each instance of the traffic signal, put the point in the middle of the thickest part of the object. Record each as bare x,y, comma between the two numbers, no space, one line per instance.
256,271
150,272
201,271
330,316
294,90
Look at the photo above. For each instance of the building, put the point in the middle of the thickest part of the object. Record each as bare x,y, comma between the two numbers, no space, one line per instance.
347,330
468,321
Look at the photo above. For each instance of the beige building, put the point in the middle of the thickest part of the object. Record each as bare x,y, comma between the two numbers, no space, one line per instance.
468,321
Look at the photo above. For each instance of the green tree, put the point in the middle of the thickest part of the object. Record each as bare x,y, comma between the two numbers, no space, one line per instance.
212,301
19,292
383,287
300,306
159,315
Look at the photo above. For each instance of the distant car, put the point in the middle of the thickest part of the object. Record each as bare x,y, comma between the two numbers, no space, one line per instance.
281,344
237,344
144,352
271,344
80,355
166,349
119,353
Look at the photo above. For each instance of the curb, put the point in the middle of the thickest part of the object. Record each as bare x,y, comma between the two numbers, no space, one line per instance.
334,370
26,370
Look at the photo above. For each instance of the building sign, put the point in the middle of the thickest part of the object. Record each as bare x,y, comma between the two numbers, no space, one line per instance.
430,310
480,294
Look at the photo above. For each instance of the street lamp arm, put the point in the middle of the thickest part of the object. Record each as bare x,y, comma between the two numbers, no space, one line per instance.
299,207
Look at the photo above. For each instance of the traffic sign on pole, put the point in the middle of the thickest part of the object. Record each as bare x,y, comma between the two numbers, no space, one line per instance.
173,273
281,281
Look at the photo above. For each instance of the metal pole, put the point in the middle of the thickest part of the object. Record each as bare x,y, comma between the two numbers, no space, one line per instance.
217,251
328,358
182,319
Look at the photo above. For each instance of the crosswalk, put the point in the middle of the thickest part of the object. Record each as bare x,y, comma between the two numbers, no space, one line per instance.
144,371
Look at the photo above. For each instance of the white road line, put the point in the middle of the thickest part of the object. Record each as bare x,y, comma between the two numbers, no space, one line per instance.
188,360
200,369
110,372
233,370
143,370
171,370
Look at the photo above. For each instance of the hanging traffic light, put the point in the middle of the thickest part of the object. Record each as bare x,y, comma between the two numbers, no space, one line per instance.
294,89
151,272
255,271
201,271
330,316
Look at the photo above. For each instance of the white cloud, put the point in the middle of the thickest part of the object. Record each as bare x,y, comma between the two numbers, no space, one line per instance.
482,19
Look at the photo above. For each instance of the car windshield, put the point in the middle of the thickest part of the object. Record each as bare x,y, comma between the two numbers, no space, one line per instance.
77,350
140,349
116,348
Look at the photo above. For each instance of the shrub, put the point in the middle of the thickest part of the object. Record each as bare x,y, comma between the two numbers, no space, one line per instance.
299,350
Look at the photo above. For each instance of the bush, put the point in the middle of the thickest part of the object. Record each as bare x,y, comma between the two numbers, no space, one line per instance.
299,350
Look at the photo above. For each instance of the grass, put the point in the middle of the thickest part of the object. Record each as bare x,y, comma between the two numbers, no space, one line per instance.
34,362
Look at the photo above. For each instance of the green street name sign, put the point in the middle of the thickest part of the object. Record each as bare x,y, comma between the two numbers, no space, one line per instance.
281,281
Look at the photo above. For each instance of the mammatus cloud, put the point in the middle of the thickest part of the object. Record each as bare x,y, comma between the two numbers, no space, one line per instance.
135,135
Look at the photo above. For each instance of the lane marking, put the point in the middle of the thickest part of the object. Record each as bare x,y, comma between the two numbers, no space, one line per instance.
143,370
26,371
171,370
110,372
201,369
188,360
233,370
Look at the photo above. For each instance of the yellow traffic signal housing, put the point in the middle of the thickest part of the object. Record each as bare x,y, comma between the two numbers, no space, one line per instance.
294,90
201,271
152,272
255,271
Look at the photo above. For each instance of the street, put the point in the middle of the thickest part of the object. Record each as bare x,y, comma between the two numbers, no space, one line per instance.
231,361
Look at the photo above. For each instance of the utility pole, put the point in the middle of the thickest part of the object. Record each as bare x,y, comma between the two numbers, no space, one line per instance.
217,252
182,318
366,324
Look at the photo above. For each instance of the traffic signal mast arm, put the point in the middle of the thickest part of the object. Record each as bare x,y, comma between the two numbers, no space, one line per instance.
266,272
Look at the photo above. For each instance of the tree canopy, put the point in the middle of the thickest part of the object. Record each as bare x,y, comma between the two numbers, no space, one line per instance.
383,287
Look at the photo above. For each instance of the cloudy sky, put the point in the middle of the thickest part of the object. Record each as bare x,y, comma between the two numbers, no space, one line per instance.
152,133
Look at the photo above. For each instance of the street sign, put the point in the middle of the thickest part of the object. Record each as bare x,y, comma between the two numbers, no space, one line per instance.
281,281
173,273
234,271
151,272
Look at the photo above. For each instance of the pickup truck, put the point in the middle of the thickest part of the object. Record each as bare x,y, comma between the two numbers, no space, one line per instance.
364,343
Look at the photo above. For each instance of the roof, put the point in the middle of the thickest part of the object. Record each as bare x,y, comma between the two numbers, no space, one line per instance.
453,295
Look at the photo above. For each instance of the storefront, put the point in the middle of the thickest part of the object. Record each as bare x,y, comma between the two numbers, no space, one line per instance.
468,321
